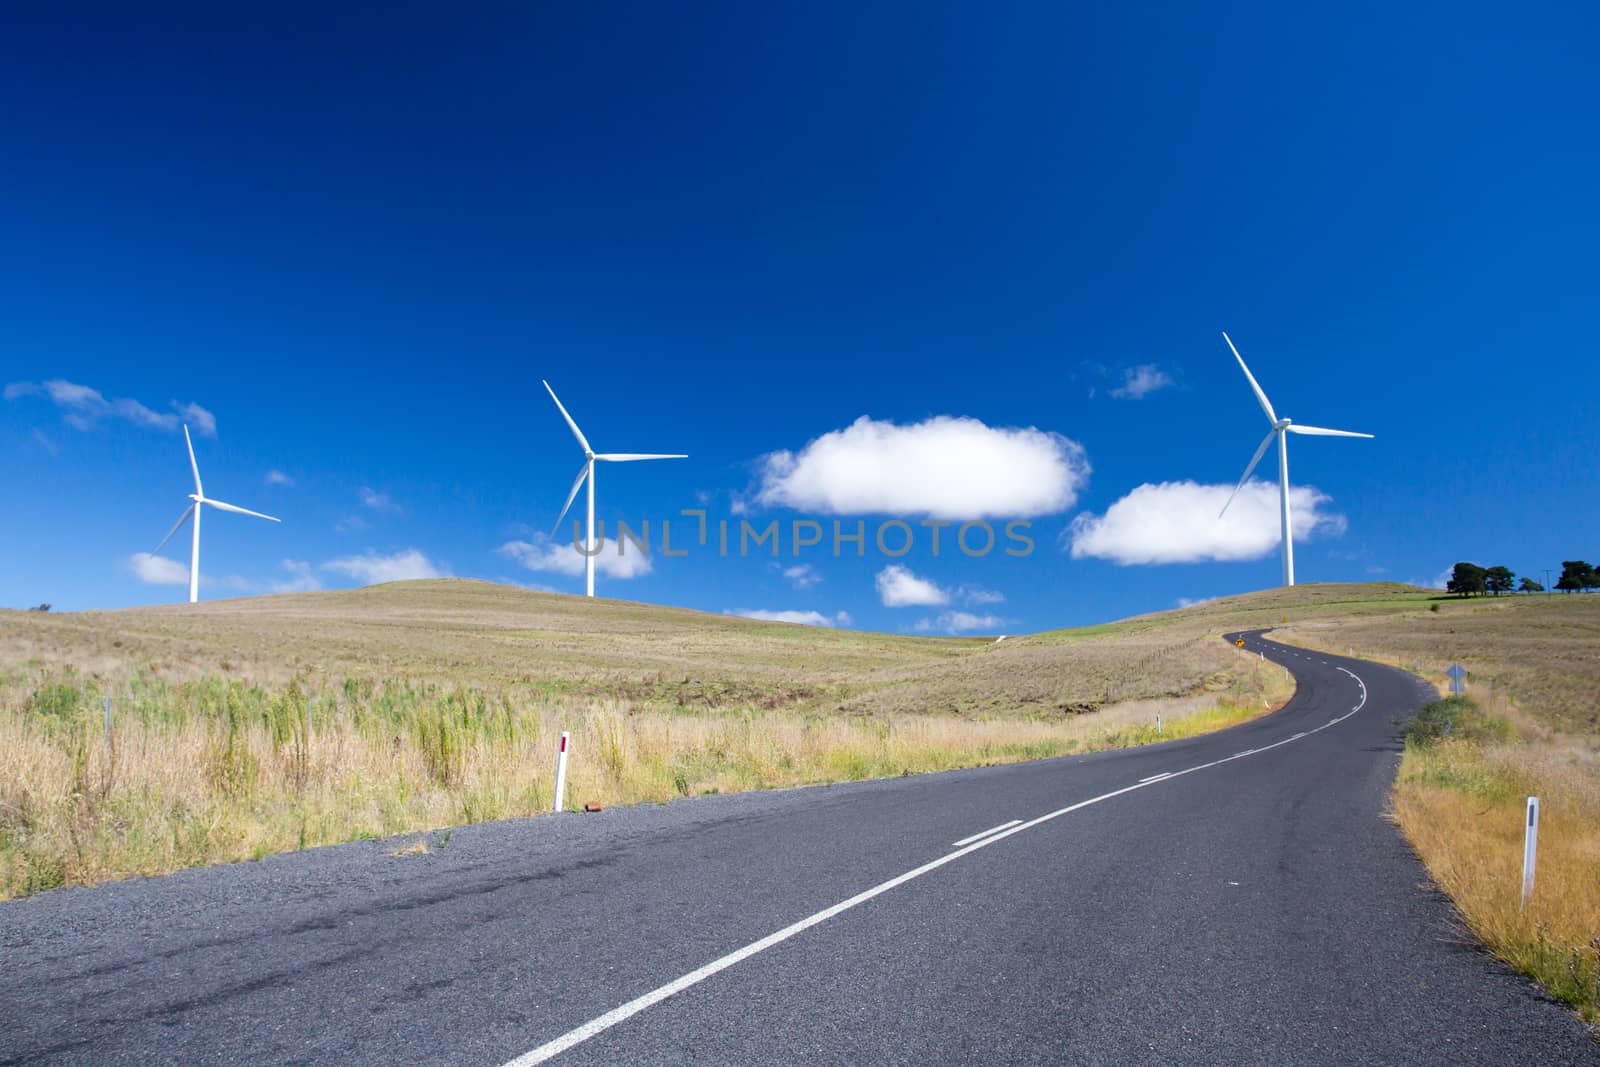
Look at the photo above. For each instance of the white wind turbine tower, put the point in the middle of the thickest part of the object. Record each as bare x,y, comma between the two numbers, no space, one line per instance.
198,497
590,457
1281,428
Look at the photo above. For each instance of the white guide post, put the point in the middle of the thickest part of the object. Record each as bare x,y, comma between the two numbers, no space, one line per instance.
1530,848
1283,497
561,772
1158,725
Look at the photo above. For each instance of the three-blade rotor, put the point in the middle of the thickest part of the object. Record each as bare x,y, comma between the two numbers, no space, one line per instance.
591,457
199,497
1279,426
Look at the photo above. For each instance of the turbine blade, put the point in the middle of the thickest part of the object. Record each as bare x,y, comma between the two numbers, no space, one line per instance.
1318,431
1266,443
582,440
582,474
192,464
1266,405
629,457
236,508
175,528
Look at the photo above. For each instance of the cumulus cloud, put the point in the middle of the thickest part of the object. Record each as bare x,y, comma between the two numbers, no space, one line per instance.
1139,382
803,576
370,568
945,467
542,553
158,570
1176,522
960,622
277,477
376,501
84,407
802,618
301,578
899,588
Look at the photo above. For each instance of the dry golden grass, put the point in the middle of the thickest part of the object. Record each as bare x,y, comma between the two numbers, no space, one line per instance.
1462,806
229,775
437,703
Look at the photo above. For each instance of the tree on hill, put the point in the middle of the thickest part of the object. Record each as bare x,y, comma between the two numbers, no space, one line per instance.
1467,579
1530,586
1499,580
1577,575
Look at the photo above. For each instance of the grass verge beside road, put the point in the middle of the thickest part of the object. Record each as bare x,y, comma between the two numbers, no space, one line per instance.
214,769
1461,799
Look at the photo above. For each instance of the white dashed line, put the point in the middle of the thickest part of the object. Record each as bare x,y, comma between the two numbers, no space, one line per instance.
986,833
622,1013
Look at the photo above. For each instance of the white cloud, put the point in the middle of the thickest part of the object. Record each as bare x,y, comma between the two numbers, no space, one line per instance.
544,554
203,422
1189,602
945,467
803,576
349,523
1176,522
158,570
85,406
300,580
973,594
899,588
371,498
1139,382
802,618
45,443
277,477
369,568
959,622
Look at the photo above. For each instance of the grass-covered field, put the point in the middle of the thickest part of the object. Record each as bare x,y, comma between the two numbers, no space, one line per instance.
241,728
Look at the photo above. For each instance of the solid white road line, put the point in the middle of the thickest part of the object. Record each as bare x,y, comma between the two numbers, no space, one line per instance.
622,1013
986,833
1155,777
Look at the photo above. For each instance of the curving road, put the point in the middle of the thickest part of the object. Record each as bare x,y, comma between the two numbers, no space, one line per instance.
1231,898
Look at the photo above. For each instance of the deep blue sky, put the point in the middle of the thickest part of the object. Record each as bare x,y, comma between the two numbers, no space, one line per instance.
360,240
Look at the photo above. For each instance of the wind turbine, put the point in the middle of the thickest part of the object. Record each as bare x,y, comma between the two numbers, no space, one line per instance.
1281,428
590,457
198,497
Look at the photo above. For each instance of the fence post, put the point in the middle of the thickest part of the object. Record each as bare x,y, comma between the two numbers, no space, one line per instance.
561,771
1530,848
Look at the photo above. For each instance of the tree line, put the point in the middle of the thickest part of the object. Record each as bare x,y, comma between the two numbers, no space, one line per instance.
1469,579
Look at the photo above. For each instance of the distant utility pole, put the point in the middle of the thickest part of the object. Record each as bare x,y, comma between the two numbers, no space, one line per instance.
1547,581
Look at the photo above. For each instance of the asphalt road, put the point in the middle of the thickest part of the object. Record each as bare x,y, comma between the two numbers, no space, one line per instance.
1253,906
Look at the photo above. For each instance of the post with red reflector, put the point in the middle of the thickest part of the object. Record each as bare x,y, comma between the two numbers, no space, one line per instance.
561,772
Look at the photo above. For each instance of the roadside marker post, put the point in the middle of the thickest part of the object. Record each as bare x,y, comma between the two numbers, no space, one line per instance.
561,771
1530,848
1158,725
108,727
